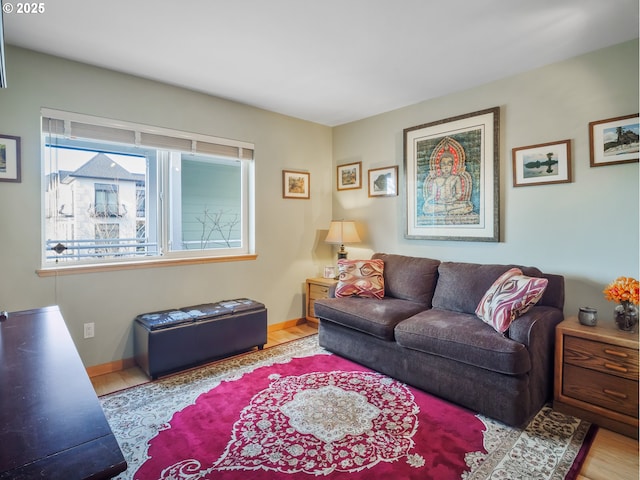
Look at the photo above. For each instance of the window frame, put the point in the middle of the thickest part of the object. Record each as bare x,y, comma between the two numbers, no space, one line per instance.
200,145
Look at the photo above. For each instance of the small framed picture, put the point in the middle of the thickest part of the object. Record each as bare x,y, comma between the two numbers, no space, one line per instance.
350,176
614,140
295,184
9,158
542,164
383,182
329,272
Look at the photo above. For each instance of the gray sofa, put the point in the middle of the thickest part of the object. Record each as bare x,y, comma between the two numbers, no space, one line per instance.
425,333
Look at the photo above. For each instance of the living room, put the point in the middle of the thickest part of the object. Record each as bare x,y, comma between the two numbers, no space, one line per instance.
586,229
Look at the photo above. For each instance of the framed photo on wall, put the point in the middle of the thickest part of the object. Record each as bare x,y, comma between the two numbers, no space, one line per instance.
542,164
349,176
9,158
614,140
452,173
383,182
296,184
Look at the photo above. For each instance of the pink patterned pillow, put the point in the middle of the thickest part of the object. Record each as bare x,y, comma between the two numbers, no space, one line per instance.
510,296
360,278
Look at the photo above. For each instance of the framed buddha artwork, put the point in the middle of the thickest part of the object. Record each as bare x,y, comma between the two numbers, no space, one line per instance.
452,175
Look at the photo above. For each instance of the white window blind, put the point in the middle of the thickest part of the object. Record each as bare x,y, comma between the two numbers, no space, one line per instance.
72,125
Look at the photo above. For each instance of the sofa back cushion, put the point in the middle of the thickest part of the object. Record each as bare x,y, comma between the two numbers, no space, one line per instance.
461,286
409,278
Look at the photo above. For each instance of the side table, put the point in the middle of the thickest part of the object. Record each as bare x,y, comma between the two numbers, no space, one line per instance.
317,288
596,375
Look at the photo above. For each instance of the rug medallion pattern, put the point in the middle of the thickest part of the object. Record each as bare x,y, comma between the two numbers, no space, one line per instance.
319,423
265,415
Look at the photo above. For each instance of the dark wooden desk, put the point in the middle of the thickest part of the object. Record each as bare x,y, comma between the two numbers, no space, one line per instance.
51,423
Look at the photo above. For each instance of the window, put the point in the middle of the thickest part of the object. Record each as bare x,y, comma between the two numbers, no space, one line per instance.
106,201
116,191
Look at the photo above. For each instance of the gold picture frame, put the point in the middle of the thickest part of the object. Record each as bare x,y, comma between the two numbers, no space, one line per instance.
349,176
614,141
296,185
383,182
542,164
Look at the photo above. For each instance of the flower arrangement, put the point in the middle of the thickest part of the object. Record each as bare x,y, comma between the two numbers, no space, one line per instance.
623,290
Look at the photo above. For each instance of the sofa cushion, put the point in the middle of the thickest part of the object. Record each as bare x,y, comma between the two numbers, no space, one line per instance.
377,317
409,278
510,296
461,286
360,278
461,337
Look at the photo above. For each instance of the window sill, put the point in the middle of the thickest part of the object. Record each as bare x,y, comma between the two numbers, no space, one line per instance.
111,267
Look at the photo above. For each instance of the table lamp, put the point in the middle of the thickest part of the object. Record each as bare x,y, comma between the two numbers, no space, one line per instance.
341,232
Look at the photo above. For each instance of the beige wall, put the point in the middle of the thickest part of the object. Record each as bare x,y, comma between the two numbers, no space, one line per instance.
586,230
286,230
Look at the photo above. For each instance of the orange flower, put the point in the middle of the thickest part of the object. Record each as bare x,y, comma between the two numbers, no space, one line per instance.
624,289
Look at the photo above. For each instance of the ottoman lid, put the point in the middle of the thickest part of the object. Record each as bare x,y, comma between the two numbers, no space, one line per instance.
242,305
225,307
164,319
206,310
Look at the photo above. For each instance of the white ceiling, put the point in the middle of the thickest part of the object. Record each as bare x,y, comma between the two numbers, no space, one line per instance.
327,61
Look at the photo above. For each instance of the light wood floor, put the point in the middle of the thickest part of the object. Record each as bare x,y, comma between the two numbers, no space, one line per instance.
612,456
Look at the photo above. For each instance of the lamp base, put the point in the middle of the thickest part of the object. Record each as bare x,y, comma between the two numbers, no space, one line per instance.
342,253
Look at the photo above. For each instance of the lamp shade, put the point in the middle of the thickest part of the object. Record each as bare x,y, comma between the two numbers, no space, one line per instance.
341,232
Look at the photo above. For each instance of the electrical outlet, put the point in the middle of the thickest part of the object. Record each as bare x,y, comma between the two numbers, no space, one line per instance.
89,330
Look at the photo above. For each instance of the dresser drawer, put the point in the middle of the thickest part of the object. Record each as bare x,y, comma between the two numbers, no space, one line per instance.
603,357
607,391
318,291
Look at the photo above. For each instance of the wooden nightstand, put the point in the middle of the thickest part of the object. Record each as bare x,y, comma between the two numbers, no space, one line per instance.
317,288
596,375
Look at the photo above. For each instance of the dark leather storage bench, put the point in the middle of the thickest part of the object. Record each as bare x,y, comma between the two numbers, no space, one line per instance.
171,340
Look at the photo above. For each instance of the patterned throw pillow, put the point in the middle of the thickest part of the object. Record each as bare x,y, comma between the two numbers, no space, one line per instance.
510,296
360,278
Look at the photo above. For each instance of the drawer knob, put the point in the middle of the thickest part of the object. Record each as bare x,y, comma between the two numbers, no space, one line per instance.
617,368
615,353
613,393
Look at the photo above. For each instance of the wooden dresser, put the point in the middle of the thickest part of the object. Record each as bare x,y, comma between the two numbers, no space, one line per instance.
596,375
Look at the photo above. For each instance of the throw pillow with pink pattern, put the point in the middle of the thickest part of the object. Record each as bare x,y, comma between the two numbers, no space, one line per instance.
510,296
360,278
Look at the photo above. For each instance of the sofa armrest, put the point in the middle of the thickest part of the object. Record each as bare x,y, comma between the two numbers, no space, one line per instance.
536,329
535,326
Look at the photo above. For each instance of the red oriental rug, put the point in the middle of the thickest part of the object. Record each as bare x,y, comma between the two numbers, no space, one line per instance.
296,411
